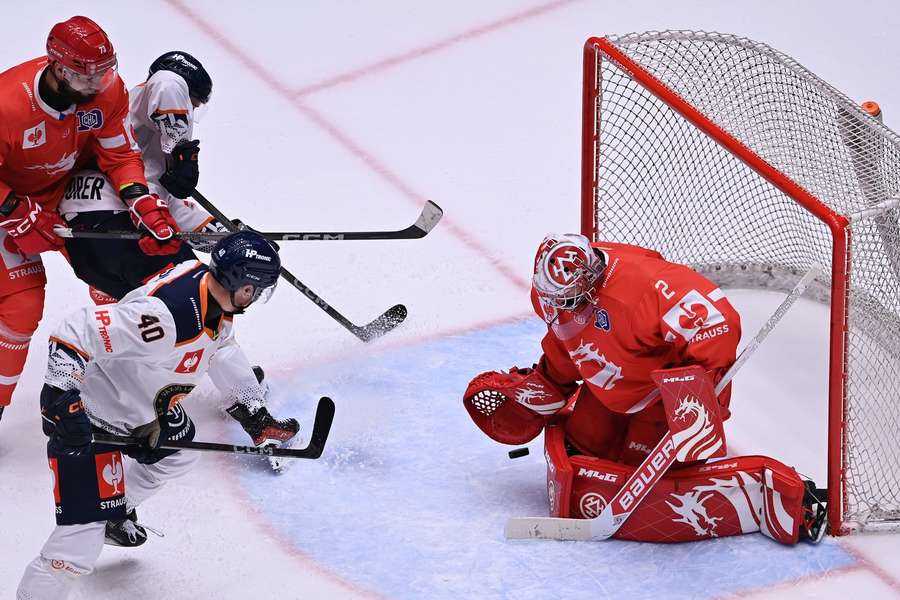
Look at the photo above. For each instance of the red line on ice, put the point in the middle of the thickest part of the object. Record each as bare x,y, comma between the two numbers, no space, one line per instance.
459,232
415,53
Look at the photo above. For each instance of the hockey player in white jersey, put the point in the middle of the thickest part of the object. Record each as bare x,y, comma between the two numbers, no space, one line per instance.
124,368
163,113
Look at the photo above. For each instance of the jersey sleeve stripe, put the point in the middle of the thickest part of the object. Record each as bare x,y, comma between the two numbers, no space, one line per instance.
109,143
80,352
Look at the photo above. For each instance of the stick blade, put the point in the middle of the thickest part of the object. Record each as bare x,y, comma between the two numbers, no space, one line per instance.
383,324
548,528
321,426
431,214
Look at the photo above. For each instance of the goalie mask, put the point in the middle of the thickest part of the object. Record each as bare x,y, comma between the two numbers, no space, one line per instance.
566,270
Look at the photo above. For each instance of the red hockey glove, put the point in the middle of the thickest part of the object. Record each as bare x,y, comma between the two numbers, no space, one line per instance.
152,214
31,227
511,408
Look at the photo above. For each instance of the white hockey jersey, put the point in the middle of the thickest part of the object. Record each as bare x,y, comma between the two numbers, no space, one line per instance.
162,117
159,338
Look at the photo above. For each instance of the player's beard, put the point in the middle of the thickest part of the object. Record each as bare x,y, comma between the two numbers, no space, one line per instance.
74,96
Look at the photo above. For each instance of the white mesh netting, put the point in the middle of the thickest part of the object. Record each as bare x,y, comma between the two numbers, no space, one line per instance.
662,183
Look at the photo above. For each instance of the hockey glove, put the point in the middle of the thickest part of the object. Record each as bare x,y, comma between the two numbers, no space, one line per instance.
183,171
152,436
513,407
65,421
31,227
151,214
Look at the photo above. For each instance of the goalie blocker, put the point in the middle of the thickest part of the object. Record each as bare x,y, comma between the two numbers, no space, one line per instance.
689,502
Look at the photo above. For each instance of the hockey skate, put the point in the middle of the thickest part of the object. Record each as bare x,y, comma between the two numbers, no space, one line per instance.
126,532
813,527
265,430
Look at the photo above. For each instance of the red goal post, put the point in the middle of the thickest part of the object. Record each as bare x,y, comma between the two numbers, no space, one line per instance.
725,154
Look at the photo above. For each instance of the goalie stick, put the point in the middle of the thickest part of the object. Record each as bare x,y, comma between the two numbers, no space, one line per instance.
385,322
428,218
313,450
608,522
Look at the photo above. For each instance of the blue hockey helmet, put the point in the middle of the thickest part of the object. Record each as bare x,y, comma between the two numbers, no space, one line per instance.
246,258
198,80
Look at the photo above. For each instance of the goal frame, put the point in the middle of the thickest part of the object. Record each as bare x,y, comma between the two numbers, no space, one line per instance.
597,49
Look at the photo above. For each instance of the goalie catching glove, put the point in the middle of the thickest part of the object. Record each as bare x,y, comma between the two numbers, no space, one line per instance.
512,408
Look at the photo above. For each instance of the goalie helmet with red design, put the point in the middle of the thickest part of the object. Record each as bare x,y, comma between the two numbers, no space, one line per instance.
82,55
566,270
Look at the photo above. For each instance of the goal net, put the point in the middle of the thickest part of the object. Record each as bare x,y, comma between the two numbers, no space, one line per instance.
727,155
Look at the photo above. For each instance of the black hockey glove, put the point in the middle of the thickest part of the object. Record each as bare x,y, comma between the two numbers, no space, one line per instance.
152,436
65,422
183,172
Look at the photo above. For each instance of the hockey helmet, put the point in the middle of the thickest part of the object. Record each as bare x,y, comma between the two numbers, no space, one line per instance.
246,258
566,269
191,70
85,54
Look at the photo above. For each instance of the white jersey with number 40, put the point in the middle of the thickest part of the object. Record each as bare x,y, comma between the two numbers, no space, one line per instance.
157,342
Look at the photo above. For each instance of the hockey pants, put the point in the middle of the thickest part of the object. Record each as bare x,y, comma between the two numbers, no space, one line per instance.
73,550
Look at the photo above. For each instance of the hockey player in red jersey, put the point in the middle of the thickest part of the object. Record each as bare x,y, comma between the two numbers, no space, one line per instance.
617,317
59,112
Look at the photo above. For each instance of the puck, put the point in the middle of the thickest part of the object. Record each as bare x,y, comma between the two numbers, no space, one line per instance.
518,453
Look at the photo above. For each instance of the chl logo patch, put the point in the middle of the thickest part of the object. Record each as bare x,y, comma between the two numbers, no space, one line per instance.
35,136
190,362
89,119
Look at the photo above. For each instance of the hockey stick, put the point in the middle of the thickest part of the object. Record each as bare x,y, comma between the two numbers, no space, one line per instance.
387,321
313,450
428,218
614,515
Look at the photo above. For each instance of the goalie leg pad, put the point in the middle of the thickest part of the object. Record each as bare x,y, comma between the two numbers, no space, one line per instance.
729,497
513,407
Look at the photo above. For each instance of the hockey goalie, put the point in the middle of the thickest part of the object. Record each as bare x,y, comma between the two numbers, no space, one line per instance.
625,395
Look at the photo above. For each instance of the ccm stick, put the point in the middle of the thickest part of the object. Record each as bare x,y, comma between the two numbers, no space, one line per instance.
321,429
608,522
387,321
428,218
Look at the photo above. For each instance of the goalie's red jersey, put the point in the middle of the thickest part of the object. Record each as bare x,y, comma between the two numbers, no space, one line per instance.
40,146
647,314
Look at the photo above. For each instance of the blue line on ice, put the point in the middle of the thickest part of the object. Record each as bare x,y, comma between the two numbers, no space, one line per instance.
409,499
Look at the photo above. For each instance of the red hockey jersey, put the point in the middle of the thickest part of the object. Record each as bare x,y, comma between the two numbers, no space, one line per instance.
647,314
40,146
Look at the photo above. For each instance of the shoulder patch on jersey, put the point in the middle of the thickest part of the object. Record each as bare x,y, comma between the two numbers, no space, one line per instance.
690,314
34,137
182,296
601,319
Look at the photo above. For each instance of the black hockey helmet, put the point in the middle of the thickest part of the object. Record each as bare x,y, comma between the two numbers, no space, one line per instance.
198,80
246,258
